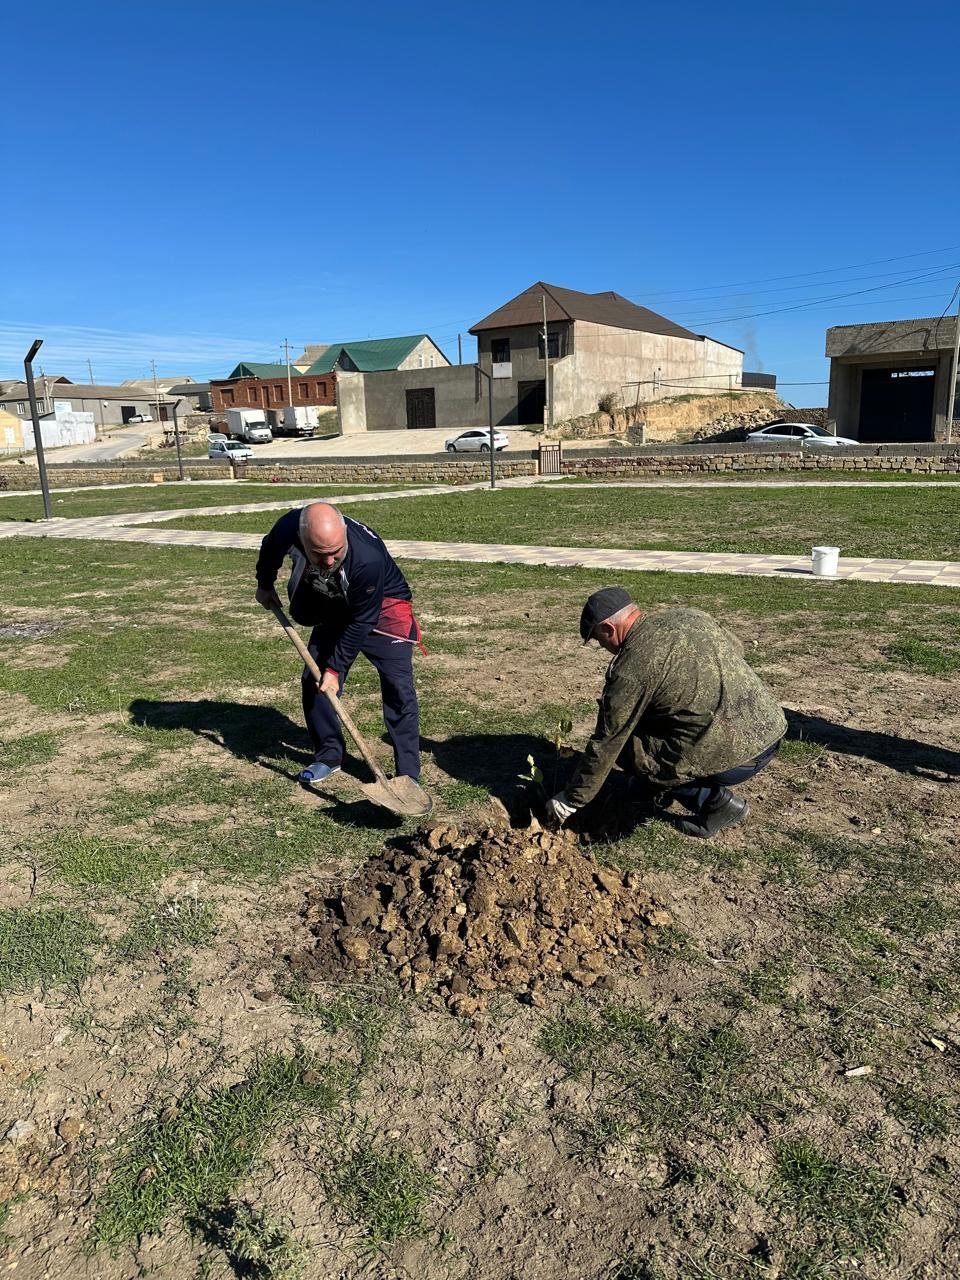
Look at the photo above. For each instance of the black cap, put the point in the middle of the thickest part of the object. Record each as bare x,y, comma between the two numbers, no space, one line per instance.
603,604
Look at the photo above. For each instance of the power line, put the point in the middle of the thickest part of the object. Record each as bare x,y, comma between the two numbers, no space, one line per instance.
854,293
803,275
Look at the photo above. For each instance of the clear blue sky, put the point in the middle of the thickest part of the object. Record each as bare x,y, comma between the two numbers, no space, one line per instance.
196,182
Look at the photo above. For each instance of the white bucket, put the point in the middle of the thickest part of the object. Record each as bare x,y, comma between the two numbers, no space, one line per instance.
825,561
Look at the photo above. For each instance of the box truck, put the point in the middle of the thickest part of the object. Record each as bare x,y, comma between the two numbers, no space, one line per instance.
249,425
301,419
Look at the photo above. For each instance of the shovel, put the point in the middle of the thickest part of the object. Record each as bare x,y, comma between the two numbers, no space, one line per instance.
399,795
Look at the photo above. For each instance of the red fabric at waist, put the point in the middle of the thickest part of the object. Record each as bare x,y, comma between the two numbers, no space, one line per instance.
397,619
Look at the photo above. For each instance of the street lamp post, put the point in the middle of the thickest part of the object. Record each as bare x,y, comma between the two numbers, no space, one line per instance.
37,437
482,373
176,439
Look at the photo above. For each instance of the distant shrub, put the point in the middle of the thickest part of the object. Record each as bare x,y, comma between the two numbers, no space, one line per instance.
608,403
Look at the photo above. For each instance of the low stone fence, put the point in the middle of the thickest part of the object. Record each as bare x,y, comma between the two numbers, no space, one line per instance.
286,472
636,463
792,460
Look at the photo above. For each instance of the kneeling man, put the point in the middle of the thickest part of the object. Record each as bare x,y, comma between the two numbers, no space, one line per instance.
681,709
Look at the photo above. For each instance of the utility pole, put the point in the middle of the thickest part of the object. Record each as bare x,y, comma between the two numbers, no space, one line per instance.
93,383
37,435
286,353
156,392
459,349
547,408
951,394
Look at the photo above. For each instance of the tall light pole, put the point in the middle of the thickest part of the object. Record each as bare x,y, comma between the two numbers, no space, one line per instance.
37,436
176,439
951,394
547,407
482,373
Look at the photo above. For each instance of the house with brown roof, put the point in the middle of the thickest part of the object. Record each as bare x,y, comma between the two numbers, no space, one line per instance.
598,345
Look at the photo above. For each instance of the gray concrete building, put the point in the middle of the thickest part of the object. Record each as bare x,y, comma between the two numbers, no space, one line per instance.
110,406
890,380
598,345
391,400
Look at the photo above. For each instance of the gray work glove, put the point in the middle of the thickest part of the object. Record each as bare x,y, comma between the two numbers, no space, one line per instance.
559,809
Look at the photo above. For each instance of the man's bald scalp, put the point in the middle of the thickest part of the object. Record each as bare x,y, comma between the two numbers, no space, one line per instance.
321,524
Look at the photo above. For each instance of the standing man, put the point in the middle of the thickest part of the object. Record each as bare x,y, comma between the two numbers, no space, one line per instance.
680,709
346,585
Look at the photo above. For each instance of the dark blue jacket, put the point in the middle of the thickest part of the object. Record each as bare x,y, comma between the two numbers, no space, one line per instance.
346,604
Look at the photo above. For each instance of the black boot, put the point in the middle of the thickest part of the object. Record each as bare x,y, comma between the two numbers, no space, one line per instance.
722,810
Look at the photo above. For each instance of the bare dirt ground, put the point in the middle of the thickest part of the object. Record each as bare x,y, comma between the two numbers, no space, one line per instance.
772,1092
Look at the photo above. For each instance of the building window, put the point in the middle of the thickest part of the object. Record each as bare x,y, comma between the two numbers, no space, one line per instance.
41,406
266,395
253,395
304,389
323,389
419,362
227,394
279,393
20,406
431,362
500,350
553,345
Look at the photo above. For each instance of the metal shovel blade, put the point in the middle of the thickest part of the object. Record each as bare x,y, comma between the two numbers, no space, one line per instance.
399,795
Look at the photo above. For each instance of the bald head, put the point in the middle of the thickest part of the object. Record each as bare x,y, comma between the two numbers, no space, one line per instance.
323,533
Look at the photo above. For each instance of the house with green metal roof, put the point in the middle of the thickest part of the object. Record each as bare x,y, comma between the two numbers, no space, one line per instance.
377,355
251,369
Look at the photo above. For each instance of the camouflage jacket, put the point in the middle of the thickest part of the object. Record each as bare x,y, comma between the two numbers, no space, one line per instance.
679,702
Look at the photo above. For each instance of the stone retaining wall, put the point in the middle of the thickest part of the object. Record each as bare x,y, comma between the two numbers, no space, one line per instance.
924,460
718,463
336,473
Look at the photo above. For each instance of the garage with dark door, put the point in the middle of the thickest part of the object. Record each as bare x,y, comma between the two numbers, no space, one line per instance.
896,404
890,381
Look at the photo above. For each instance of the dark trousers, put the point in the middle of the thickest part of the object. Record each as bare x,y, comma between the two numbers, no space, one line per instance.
393,660
699,792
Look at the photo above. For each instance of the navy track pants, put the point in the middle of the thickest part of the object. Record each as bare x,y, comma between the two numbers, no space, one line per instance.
393,660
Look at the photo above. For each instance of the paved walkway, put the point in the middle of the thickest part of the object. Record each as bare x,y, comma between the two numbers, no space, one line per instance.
136,527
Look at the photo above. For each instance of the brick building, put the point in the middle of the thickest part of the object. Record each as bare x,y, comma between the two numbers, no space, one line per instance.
264,386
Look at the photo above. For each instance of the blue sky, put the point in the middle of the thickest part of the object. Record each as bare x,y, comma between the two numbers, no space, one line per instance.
195,182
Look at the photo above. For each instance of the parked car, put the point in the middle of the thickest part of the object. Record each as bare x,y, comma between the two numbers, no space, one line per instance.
229,450
476,440
139,417
804,433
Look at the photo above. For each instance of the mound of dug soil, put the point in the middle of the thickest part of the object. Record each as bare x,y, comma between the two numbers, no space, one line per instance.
467,915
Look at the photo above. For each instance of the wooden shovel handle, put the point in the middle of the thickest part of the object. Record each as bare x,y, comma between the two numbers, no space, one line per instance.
294,637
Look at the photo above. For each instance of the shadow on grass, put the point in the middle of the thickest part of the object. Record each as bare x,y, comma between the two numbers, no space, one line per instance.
907,755
250,732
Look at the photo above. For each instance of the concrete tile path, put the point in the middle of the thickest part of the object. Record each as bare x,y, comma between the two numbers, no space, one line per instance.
141,527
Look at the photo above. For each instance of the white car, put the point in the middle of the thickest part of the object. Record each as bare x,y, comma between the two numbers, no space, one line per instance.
229,450
477,440
804,433
139,417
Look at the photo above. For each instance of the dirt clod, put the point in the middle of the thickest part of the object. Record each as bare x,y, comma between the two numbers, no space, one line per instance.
468,914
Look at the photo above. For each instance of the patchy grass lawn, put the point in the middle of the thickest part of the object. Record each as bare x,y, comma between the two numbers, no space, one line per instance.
169,496
776,1095
918,523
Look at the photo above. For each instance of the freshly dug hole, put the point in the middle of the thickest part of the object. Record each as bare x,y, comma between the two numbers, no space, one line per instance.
469,914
